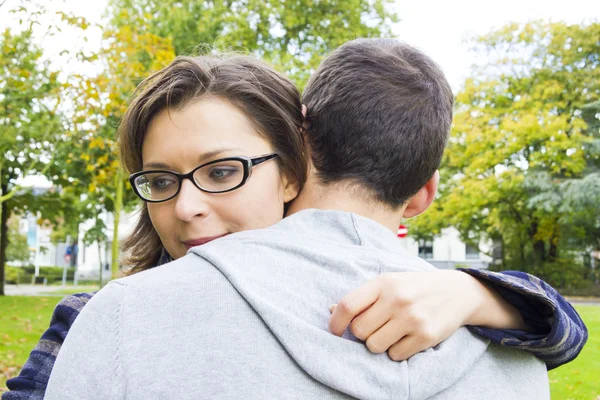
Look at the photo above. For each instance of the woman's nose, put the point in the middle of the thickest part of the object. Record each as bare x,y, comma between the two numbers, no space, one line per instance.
191,202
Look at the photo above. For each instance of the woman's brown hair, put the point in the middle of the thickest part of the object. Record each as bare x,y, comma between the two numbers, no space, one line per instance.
269,100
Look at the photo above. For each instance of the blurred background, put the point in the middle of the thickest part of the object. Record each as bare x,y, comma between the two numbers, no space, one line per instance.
520,180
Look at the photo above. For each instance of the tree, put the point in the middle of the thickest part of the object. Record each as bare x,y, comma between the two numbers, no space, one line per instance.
520,148
90,169
142,36
30,124
293,35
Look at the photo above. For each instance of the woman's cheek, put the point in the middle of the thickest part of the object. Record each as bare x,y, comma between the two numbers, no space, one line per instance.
161,222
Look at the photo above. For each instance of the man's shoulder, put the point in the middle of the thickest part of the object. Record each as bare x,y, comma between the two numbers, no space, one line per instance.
306,232
173,274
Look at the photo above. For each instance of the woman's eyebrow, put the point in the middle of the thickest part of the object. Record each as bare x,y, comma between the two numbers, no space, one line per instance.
211,154
156,165
203,157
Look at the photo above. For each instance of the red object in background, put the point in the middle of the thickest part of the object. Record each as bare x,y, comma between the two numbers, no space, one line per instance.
402,231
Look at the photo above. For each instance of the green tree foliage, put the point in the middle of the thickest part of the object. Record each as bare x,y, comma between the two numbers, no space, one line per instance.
30,124
517,168
18,249
293,35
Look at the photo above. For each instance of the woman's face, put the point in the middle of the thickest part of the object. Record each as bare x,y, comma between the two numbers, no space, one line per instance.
203,131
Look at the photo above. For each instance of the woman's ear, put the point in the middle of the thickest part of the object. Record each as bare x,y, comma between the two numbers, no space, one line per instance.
424,197
291,188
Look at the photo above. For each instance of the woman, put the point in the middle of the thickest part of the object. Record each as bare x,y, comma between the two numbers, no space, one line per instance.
215,148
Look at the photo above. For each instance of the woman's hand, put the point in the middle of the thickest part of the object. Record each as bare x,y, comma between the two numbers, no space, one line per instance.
404,313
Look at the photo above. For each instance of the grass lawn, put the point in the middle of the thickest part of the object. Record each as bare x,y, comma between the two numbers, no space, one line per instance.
580,379
22,322
24,319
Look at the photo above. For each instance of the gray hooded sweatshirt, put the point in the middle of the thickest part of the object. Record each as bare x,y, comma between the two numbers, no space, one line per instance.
246,316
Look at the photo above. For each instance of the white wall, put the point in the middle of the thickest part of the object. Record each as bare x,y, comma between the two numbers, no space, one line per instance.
88,266
448,250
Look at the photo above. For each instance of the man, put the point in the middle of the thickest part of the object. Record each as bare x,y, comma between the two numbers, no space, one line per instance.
379,113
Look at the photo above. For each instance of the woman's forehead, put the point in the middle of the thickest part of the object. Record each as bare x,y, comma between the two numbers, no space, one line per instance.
201,131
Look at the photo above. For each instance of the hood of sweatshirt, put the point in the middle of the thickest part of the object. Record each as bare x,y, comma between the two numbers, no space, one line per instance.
293,272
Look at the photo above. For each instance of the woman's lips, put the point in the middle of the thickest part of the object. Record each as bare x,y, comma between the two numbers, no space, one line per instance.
200,241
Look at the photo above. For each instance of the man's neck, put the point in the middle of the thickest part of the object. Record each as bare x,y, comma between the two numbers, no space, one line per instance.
348,198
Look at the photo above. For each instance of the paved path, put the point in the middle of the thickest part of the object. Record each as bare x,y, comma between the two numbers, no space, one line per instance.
39,290
585,301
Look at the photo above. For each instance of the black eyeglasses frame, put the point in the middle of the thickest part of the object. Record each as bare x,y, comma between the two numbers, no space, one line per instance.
247,162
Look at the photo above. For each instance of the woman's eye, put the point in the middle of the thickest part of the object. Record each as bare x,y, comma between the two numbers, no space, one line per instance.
162,183
222,173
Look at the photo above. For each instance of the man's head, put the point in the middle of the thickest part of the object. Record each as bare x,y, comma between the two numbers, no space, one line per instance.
379,115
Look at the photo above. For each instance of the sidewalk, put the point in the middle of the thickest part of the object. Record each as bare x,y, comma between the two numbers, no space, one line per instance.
586,301
41,290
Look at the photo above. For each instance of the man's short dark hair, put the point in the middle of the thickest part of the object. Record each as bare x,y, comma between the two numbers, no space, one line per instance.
379,113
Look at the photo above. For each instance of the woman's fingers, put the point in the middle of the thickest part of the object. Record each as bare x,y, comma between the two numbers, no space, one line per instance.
370,320
385,336
408,346
352,305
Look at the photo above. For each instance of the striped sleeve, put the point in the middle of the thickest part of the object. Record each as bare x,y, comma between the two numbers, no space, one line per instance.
558,332
33,379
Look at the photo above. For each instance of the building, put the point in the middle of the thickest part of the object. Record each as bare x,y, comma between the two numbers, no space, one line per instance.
91,259
448,251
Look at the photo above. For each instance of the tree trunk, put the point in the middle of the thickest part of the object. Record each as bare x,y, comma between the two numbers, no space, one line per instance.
539,247
539,251
100,281
553,250
3,242
118,206
553,245
521,255
502,254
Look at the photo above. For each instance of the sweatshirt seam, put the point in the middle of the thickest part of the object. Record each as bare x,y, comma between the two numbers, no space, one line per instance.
408,381
358,235
119,333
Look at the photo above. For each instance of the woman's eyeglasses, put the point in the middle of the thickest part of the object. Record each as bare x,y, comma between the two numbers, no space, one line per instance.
218,176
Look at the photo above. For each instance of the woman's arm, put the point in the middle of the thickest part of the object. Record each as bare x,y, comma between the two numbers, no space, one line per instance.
555,334
407,312
33,379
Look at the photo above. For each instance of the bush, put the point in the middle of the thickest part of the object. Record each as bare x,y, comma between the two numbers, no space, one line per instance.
52,274
459,265
590,290
566,274
11,274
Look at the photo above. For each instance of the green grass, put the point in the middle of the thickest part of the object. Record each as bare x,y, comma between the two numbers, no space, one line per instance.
24,319
580,379
22,322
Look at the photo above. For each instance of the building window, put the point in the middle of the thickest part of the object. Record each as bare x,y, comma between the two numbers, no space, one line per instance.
472,253
426,249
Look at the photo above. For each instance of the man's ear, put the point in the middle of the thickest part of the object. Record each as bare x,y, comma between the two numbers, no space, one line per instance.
424,197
